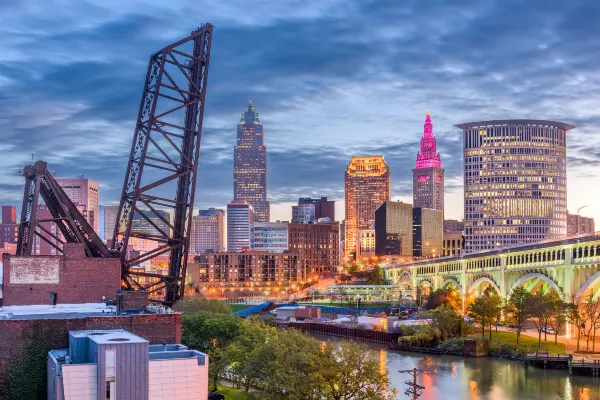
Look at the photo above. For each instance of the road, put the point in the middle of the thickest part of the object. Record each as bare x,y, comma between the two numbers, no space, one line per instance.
571,343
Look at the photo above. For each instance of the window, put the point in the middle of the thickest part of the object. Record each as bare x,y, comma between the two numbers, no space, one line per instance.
110,372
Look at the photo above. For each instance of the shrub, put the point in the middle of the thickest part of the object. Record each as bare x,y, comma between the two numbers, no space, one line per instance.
456,345
419,335
505,350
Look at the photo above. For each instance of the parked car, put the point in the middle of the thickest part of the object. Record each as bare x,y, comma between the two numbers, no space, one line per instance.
549,331
216,396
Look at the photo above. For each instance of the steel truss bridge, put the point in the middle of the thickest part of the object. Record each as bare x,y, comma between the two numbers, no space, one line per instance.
571,267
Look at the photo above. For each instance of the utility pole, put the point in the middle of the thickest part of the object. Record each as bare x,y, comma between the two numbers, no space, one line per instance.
414,390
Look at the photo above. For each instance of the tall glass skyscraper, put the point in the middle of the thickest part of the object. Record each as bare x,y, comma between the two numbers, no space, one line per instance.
250,164
515,182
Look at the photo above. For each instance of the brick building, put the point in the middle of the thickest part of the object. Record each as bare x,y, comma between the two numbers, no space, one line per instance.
317,244
72,277
230,274
9,229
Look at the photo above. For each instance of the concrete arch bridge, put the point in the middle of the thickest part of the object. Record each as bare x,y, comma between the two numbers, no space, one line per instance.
570,267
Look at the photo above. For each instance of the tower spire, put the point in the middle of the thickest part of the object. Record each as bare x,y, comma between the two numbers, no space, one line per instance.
428,157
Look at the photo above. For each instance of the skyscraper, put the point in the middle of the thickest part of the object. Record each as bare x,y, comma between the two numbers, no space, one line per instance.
110,218
428,175
250,164
84,193
367,186
394,229
240,216
515,182
428,232
207,231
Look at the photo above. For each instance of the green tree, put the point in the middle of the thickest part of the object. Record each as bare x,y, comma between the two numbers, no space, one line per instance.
448,297
480,312
575,316
192,305
539,306
353,372
205,331
517,310
557,318
445,319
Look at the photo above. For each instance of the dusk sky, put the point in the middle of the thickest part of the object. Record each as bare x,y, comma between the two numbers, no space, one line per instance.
329,78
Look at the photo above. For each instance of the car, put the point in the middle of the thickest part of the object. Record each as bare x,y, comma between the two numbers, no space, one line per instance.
216,396
549,331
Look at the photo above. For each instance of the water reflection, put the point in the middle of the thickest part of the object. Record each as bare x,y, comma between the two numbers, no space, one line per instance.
484,378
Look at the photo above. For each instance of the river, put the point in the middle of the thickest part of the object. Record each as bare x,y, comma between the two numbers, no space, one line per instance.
483,378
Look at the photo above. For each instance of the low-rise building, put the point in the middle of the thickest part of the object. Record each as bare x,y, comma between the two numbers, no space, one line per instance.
578,225
318,246
116,364
452,244
252,273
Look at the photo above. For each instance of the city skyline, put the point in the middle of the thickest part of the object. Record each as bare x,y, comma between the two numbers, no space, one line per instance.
318,116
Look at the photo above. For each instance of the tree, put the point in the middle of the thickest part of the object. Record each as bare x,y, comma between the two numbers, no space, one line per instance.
419,335
575,316
591,315
353,372
448,297
192,305
486,309
444,319
517,310
557,318
479,312
538,306
205,331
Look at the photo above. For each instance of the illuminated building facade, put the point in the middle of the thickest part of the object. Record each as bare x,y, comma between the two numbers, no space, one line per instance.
240,216
318,246
110,219
367,186
515,182
393,229
428,232
252,273
428,175
453,243
208,231
365,245
271,237
250,164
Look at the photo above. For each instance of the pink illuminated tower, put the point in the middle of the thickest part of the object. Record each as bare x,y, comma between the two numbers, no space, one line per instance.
428,175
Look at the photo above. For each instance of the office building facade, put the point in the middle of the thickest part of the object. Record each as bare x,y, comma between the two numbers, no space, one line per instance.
428,232
393,229
240,216
428,175
323,208
578,225
453,242
367,186
515,182
9,229
85,193
318,246
271,237
208,231
453,225
303,213
110,219
365,245
250,164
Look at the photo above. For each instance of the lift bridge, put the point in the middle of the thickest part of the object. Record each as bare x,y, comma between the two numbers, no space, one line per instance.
161,175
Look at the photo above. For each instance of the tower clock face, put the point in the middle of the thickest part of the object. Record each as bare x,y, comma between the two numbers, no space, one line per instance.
438,178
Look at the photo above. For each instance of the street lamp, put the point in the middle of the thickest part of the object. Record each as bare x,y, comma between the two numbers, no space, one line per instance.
578,218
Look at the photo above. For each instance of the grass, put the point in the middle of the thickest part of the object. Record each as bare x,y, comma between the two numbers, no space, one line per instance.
239,307
231,393
352,305
525,341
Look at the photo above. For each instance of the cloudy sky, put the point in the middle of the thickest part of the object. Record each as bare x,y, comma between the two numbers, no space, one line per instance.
330,79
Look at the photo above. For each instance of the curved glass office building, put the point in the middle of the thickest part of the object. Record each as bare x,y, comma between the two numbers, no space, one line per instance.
515,182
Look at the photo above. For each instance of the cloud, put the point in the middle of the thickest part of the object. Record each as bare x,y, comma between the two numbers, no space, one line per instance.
330,79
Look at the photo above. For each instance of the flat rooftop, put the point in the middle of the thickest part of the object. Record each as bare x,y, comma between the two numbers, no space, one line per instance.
114,336
59,311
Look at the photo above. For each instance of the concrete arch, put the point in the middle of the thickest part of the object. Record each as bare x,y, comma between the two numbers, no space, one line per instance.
588,282
479,281
427,281
404,275
534,275
451,280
